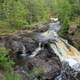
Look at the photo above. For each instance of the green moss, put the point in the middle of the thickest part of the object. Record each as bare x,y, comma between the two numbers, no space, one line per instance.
35,72
11,76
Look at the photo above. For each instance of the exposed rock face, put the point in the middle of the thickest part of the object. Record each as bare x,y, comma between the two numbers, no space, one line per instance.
75,38
16,43
72,28
46,60
67,73
46,65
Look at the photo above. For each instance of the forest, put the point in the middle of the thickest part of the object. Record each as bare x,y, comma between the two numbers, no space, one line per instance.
25,15
18,14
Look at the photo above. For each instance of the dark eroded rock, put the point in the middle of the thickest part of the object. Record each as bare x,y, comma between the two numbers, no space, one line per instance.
46,60
45,65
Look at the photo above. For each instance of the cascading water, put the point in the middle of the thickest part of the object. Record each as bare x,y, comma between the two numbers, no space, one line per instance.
69,56
34,53
64,50
63,66
61,47
67,53
23,51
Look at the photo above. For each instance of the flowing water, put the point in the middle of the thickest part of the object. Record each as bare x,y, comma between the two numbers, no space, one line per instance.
68,55
34,53
61,47
64,50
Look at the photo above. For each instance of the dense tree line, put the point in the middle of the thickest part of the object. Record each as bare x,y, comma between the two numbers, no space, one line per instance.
22,12
18,13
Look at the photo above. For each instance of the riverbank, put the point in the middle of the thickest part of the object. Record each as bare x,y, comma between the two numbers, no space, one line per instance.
46,64
6,29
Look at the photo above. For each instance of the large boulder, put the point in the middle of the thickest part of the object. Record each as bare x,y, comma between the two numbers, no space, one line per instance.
72,28
74,37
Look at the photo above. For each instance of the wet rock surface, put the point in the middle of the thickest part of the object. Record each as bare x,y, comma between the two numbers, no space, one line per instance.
67,73
46,65
74,35
46,60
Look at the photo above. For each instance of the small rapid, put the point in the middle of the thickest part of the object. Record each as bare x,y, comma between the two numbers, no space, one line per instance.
67,53
64,50
61,47
53,55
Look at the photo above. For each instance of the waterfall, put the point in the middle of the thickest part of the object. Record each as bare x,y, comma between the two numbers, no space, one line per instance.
61,47
23,51
34,53
65,51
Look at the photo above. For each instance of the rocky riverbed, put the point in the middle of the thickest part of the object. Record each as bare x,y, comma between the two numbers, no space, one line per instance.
45,65
42,55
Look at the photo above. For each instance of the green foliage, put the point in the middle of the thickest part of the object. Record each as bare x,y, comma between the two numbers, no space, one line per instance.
11,76
75,7
36,10
5,63
65,27
66,11
35,72
63,10
15,13
21,13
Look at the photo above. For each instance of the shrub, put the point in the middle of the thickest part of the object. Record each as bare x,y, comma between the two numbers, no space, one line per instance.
5,63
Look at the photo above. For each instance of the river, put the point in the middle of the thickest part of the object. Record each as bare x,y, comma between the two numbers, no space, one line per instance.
60,46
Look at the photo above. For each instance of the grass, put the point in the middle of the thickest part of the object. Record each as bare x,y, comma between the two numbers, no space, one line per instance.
6,29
